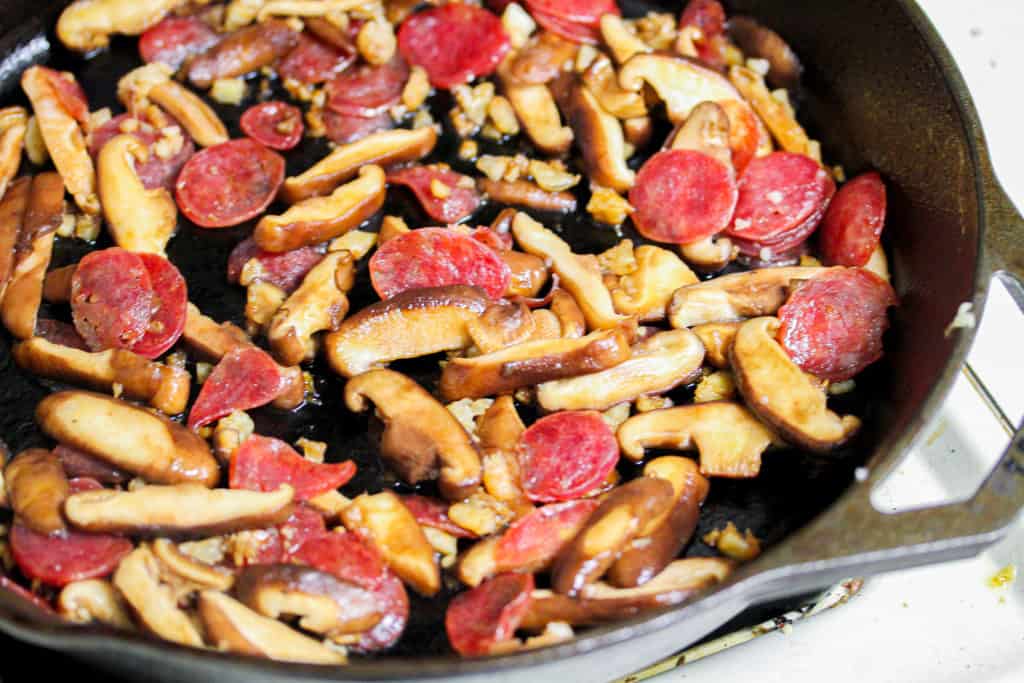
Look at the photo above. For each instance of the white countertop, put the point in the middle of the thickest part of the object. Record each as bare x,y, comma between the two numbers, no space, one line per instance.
941,624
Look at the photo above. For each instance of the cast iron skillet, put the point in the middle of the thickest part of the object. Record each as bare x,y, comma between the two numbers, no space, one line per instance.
880,92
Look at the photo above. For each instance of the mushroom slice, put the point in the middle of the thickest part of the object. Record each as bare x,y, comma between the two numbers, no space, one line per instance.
36,490
657,364
94,600
540,60
717,339
500,427
320,303
777,116
525,193
580,275
600,139
233,627
706,130
736,297
600,602
12,214
570,316
44,210
13,126
531,363
182,510
602,82
87,25
681,84
190,570
128,437
384,148
138,580
647,291
620,40
152,84
536,109
529,273
387,524
64,139
727,435
418,322
618,520
709,255
759,41
325,604
421,436
781,394
56,284
501,325
139,219
318,219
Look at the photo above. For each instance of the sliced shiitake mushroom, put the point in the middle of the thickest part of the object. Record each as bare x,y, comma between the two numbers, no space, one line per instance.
500,427
188,569
622,42
152,84
36,490
138,579
384,148
86,25
570,316
656,365
57,284
781,394
13,126
717,339
128,437
647,291
525,193
385,521
680,83
531,363
529,273
418,322
760,41
94,600
779,118
501,325
12,214
233,627
706,130
421,437
602,82
729,438
536,109
739,296
540,60
164,387
182,510
601,140
709,255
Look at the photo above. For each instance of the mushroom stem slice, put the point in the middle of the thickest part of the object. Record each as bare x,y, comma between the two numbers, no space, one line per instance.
140,219
12,215
13,127
781,394
526,193
87,25
657,364
602,82
647,291
680,83
421,436
601,140
709,255
717,339
182,510
706,130
777,116
36,489
138,580
198,119
233,627
622,43
536,109
94,600
500,427
190,570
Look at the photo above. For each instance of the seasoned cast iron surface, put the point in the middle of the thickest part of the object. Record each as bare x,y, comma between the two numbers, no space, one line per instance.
792,488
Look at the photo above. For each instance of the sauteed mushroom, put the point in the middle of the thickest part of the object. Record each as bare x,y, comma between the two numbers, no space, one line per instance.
187,568
536,109
138,580
36,490
601,140
94,600
709,255
681,84
87,25
778,117
620,41
152,83
524,193
717,339
13,125
647,291
760,41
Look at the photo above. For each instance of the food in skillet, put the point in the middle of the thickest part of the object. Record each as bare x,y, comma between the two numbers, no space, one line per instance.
513,381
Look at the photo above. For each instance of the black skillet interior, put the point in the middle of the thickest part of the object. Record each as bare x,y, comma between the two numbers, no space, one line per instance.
792,488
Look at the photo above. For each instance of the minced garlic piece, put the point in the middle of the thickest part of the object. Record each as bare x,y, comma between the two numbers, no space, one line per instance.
87,227
35,148
439,189
170,142
241,13
376,41
840,388
551,178
608,206
314,451
228,90
808,261
473,101
299,90
503,115
619,260
469,150
356,242
494,167
518,25
417,88
616,415
422,119
718,386
759,66
98,118
203,371
731,543
262,301
646,404
446,545
585,57
67,223
656,29
481,513
467,411
230,433
391,227
209,550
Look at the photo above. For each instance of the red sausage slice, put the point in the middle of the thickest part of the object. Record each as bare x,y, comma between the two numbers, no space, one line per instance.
709,17
342,129
461,198
455,43
479,619
247,377
435,257
584,34
170,307
229,183
285,269
579,11
832,325
314,61
112,299
683,196
279,544
278,125
566,455
532,542
78,464
852,227
263,464
154,171
175,39
368,90
782,199
57,332
434,514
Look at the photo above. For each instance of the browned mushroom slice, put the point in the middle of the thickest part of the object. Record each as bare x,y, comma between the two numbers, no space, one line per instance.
164,387
185,568
777,116
529,273
233,627
415,323
183,510
12,214
87,25
524,193
657,364
388,525
501,325
709,255
138,580
600,602
500,427
319,219
152,84
57,284
320,303
681,84
580,275
781,394
94,600
570,316
603,83
13,126
623,513
717,339
729,438
242,52
706,130
736,297
139,219
638,131
324,604
647,291
384,148
536,109
760,41
36,489
128,437
600,139
421,436
531,363
44,211
540,60
622,42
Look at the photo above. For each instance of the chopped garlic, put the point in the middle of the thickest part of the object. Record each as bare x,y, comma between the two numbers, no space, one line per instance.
446,545
98,118
356,242
808,261
170,142
550,178
87,227
656,29
67,224
759,66
262,301
646,404
469,150
391,227
376,41
241,13
203,371
616,415
742,547
619,260
608,206
314,451
230,433
718,386
585,57
228,90
439,189
417,88
494,167
422,119
209,550
473,101
467,411
481,513
518,25
503,116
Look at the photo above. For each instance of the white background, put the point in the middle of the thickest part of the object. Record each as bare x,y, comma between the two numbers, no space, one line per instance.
941,624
